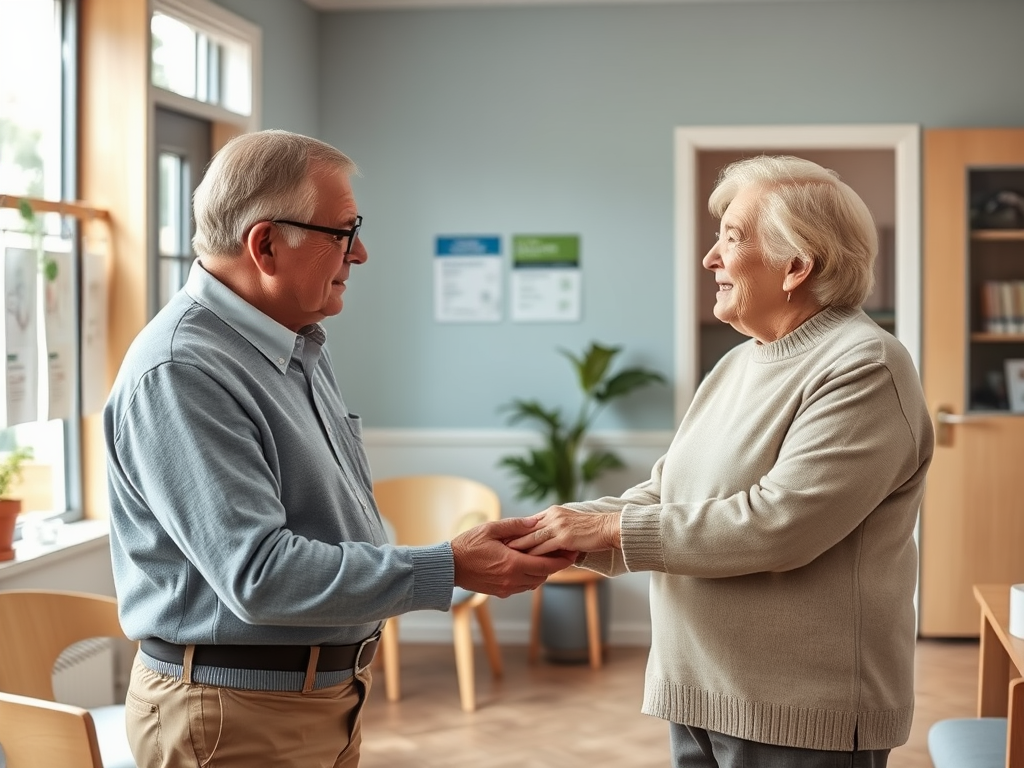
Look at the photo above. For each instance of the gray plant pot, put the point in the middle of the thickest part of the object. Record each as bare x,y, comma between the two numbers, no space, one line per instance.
563,617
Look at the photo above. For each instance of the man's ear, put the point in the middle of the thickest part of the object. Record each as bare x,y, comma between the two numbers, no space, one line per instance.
260,244
798,270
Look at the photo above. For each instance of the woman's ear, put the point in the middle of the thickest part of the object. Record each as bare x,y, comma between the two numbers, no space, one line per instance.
798,270
260,244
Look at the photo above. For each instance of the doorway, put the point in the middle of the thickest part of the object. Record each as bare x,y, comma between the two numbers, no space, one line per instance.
881,162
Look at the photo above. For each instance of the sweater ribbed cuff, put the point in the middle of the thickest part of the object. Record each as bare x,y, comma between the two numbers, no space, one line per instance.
642,547
435,577
601,562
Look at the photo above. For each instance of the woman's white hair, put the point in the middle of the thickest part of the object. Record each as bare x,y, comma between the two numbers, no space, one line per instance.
806,212
256,177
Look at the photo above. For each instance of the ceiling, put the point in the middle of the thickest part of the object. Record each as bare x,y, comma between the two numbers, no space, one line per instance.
366,5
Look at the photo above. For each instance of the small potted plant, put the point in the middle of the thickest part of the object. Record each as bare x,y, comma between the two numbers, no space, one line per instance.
10,471
560,471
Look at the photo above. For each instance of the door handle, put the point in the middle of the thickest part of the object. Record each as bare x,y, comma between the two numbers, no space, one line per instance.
946,419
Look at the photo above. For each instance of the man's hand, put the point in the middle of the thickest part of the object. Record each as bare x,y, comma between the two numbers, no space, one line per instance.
561,529
483,562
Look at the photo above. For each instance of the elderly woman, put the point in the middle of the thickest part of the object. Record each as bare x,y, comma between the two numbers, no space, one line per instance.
779,526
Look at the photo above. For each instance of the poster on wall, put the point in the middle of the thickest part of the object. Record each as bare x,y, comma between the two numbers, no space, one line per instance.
94,325
546,282
59,334
467,279
19,401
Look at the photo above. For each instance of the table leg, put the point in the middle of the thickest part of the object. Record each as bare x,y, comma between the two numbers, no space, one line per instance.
993,673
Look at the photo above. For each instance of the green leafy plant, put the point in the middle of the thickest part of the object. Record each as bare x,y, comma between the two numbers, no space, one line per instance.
10,468
34,227
561,469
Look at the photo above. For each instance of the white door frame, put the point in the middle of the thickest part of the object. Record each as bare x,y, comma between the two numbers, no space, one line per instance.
903,139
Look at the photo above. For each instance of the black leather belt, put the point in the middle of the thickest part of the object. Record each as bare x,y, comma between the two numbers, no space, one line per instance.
283,658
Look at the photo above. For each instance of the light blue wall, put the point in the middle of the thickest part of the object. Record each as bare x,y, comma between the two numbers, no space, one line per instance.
556,120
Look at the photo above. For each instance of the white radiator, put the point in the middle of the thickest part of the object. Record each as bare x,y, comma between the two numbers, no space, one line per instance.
84,674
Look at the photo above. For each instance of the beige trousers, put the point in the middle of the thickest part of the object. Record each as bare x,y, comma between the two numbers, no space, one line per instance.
172,724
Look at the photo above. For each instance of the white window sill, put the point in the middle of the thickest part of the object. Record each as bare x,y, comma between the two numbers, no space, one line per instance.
73,539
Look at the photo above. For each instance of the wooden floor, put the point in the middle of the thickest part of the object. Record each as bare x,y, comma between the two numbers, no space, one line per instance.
570,716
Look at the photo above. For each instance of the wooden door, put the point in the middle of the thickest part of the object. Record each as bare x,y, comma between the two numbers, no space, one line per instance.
972,518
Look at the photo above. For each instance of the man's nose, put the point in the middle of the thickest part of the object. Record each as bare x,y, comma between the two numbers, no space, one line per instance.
358,253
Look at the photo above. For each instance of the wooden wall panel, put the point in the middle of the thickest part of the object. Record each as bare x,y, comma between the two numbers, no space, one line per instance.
115,126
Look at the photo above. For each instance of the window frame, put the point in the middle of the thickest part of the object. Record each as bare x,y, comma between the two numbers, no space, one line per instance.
71,453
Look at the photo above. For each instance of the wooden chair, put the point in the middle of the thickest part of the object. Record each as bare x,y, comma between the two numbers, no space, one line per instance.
34,732
428,509
35,627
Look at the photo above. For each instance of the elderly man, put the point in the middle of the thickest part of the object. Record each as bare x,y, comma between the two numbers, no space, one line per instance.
249,556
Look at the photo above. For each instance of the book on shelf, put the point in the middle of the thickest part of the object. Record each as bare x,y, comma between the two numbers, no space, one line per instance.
1015,385
1002,306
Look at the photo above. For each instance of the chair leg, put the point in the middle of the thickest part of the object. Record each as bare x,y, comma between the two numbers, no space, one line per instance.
389,646
464,657
593,624
483,616
534,651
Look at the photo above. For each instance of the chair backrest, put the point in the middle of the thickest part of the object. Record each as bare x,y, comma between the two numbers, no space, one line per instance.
37,625
34,732
429,509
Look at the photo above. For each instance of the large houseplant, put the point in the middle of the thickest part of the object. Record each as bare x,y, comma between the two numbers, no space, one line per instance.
560,470
563,467
10,470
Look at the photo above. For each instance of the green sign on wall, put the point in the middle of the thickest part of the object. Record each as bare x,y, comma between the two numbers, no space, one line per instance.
545,250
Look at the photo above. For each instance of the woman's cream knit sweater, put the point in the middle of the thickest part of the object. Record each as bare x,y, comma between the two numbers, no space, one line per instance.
779,530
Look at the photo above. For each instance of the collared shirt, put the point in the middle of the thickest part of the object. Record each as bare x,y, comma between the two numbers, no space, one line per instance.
241,498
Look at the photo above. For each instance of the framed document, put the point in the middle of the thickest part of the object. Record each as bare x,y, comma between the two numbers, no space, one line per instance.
1015,385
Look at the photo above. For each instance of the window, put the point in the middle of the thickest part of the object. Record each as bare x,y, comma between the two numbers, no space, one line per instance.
173,220
204,67
34,137
202,64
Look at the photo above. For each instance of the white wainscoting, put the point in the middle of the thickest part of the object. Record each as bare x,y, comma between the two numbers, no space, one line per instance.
475,454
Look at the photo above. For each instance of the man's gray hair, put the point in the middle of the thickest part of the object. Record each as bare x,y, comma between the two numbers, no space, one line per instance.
807,212
257,177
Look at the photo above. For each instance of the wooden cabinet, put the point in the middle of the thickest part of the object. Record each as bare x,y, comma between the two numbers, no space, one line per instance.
972,517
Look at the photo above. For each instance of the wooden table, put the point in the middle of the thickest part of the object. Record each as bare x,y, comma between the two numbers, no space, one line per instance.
1001,668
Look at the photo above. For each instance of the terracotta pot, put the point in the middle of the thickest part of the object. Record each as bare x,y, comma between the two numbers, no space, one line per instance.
9,511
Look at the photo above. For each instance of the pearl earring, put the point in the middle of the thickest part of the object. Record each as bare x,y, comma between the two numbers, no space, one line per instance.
789,295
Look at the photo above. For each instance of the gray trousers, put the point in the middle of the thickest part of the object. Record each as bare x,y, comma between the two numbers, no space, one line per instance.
698,748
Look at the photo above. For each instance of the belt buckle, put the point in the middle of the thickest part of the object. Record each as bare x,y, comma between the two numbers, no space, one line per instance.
357,668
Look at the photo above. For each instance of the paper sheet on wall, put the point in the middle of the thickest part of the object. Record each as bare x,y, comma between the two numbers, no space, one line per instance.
94,326
467,280
546,282
19,401
59,326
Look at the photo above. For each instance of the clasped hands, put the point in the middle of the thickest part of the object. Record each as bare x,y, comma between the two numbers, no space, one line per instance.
517,554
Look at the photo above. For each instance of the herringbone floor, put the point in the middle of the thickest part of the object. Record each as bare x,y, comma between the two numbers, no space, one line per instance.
570,716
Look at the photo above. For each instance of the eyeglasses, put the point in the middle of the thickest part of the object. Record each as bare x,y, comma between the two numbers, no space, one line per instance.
337,234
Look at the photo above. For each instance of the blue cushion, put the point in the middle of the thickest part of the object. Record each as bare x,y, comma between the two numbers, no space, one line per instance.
460,595
969,742
112,736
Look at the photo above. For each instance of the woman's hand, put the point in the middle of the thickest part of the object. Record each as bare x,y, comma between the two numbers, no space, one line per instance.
561,529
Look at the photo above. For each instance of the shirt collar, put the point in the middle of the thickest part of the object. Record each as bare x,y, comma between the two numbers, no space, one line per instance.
276,342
